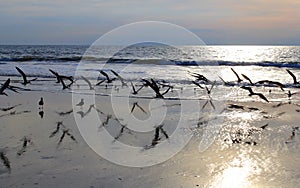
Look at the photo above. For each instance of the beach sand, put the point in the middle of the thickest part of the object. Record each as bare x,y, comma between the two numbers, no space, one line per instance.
273,161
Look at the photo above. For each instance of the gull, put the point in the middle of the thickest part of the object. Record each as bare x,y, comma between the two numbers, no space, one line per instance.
199,77
56,75
106,76
41,102
292,75
63,83
236,74
61,77
290,94
135,92
247,78
25,81
155,88
280,85
119,77
252,93
88,82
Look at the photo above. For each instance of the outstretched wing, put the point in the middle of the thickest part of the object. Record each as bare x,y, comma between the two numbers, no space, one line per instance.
5,85
262,97
248,89
104,74
197,84
236,74
23,74
247,78
294,77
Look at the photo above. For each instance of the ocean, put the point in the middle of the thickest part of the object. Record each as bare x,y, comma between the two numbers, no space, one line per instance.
174,65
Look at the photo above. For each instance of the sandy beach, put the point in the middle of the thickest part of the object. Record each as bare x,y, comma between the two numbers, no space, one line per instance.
260,157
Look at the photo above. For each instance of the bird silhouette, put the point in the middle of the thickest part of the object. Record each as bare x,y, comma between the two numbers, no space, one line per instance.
270,82
236,74
247,78
41,102
197,84
251,93
293,76
119,77
106,76
4,86
88,82
25,80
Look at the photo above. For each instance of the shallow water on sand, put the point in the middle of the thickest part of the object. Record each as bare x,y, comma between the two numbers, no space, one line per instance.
243,154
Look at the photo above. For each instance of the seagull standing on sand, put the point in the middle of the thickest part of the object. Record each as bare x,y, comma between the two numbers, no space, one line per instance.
41,102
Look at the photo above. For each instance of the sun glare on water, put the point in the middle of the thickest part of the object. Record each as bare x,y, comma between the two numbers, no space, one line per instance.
236,174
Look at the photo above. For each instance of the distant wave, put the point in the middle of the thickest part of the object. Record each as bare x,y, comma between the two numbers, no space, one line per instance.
120,60
40,58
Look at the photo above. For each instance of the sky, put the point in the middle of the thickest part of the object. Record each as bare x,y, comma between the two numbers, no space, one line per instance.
228,22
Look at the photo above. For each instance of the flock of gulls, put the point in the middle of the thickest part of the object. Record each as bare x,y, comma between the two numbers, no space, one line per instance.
160,90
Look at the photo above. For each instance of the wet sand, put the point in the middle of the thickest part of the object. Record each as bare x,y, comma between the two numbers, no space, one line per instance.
268,158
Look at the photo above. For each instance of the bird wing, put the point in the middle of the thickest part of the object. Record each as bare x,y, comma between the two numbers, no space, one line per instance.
236,74
294,77
100,82
248,89
104,74
247,78
5,85
23,75
116,74
262,96
197,84
87,81
133,88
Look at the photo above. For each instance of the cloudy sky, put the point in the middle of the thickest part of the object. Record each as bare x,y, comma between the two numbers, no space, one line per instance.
214,21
